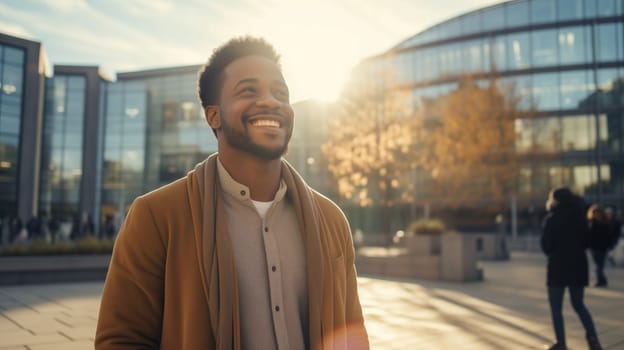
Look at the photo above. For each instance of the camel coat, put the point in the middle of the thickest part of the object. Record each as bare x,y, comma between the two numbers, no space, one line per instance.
171,283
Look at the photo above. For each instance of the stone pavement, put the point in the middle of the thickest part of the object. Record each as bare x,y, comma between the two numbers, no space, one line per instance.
508,310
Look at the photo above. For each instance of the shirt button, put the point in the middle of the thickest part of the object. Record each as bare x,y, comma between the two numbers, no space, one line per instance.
243,192
277,308
266,229
273,268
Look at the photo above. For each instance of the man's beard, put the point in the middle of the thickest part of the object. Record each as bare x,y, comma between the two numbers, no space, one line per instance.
240,140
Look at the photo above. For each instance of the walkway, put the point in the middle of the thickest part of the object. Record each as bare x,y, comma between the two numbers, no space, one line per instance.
508,310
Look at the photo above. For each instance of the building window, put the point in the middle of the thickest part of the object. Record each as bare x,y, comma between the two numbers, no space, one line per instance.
544,48
569,9
518,51
517,13
493,18
576,89
546,91
542,11
574,45
608,45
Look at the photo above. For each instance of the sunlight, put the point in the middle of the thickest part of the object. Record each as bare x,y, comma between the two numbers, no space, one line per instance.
319,45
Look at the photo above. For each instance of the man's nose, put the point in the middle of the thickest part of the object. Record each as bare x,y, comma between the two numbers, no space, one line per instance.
268,101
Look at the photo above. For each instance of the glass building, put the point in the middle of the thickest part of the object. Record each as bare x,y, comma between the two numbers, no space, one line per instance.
72,143
565,58
80,144
23,67
155,132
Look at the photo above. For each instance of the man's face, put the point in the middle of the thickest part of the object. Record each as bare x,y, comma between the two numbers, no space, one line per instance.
254,107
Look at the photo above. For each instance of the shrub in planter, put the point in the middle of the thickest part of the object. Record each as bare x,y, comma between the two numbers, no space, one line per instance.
427,227
423,237
86,245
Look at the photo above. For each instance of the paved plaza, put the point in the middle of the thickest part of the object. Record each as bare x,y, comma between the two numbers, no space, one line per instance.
508,310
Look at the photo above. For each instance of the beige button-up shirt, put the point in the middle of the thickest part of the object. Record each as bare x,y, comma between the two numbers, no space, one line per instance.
271,269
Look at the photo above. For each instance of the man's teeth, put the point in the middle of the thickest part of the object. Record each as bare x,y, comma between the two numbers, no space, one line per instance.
263,122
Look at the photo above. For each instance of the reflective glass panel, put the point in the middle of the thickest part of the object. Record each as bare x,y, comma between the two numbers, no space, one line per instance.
12,79
520,86
574,45
10,124
610,85
546,91
76,82
542,11
538,134
590,8
544,52
517,13
449,29
473,57
471,23
607,8
13,55
576,89
493,18
569,9
578,133
607,42
518,51
498,52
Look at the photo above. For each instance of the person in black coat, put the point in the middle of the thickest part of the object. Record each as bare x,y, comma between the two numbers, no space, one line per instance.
599,241
564,241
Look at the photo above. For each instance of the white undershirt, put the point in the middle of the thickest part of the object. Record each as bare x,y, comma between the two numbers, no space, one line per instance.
262,207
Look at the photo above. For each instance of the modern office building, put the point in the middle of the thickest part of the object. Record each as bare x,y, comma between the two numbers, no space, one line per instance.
565,58
23,68
79,144
76,144
155,133
72,143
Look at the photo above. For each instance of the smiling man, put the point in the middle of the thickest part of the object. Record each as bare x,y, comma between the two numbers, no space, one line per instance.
240,253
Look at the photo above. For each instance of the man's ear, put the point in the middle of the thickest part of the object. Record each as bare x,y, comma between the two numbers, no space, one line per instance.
213,117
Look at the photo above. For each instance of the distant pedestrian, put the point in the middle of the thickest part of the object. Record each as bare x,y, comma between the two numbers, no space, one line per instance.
75,227
564,241
109,227
615,231
53,226
599,241
15,228
88,228
33,227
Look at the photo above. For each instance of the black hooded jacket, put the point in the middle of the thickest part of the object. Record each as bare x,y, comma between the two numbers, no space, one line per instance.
564,240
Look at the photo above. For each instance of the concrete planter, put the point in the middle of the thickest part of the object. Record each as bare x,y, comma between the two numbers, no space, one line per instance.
448,257
491,246
423,244
459,258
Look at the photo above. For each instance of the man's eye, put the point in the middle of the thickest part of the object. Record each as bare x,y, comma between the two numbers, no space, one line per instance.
248,89
281,94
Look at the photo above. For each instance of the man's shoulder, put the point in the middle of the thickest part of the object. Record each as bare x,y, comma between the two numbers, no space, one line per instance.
171,191
327,206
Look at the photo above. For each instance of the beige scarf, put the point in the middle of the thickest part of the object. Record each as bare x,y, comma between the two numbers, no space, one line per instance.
219,278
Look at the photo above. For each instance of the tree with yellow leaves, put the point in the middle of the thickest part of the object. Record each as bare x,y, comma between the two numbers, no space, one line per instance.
467,143
368,146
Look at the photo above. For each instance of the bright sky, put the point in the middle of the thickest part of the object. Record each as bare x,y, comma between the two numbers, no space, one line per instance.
319,41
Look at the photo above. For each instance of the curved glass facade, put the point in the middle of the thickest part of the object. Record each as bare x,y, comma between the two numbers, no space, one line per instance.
565,58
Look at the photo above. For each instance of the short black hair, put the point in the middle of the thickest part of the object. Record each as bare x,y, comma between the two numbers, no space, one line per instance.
210,75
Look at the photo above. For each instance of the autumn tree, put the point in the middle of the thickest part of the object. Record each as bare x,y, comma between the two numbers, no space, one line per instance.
367,152
467,143
368,146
